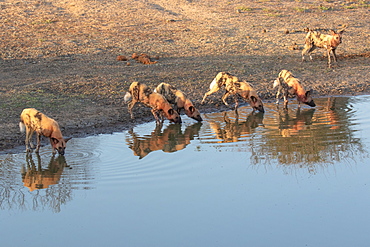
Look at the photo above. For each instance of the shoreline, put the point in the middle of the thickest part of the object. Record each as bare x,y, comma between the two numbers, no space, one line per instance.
118,127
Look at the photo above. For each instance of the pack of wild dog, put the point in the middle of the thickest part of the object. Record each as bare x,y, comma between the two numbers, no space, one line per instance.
233,86
34,121
166,101
330,42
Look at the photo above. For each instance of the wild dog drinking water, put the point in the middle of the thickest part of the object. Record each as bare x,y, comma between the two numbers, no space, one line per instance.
287,84
179,100
34,121
139,92
330,42
235,87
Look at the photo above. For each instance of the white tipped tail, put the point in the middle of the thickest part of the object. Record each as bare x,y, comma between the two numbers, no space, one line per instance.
276,83
213,83
22,127
128,97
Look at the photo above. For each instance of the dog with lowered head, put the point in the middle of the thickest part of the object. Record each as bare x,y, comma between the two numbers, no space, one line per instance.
139,92
34,121
330,42
287,84
179,100
235,87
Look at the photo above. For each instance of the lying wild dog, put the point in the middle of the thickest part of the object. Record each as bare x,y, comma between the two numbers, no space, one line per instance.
143,58
288,84
32,120
329,42
179,100
235,87
139,92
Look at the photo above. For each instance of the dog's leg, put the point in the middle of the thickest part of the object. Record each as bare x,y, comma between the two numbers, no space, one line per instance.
214,89
38,145
329,58
29,133
334,55
236,101
54,151
130,106
285,100
30,139
304,52
224,97
277,96
26,141
307,49
155,114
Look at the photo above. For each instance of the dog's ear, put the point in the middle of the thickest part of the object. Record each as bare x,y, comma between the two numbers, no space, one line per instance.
308,93
54,140
254,99
192,109
171,111
67,139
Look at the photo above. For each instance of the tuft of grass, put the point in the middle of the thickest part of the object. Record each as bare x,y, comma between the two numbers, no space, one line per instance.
243,8
350,7
43,21
324,8
300,9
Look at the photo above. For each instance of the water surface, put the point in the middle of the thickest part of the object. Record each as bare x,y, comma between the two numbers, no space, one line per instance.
283,178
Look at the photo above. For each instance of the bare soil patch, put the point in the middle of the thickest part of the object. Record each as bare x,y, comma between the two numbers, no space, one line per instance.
61,56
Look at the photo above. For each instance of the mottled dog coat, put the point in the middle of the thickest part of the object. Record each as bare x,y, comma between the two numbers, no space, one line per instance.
329,42
34,121
235,87
139,92
179,100
287,84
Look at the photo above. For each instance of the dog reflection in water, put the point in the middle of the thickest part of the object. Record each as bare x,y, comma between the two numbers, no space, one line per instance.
294,125
35,177
171,139
231,131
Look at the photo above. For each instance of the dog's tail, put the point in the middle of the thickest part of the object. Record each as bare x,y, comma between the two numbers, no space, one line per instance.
127,98
276,83
22,127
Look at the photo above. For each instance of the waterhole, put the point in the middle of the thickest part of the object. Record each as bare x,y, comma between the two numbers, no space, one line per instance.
296,177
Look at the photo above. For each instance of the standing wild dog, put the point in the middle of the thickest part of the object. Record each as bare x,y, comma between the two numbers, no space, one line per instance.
139,92
288,84
179,100
329,42
32,120
235,87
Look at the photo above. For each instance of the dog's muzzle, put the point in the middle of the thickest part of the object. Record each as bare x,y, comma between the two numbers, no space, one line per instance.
311,103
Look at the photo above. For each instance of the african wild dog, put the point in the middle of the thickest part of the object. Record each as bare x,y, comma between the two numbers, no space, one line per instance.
32,120
329,42
235,87
179,100
288,84
139,92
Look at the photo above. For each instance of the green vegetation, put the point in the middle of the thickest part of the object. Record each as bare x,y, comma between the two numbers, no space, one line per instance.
242,8
300,9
